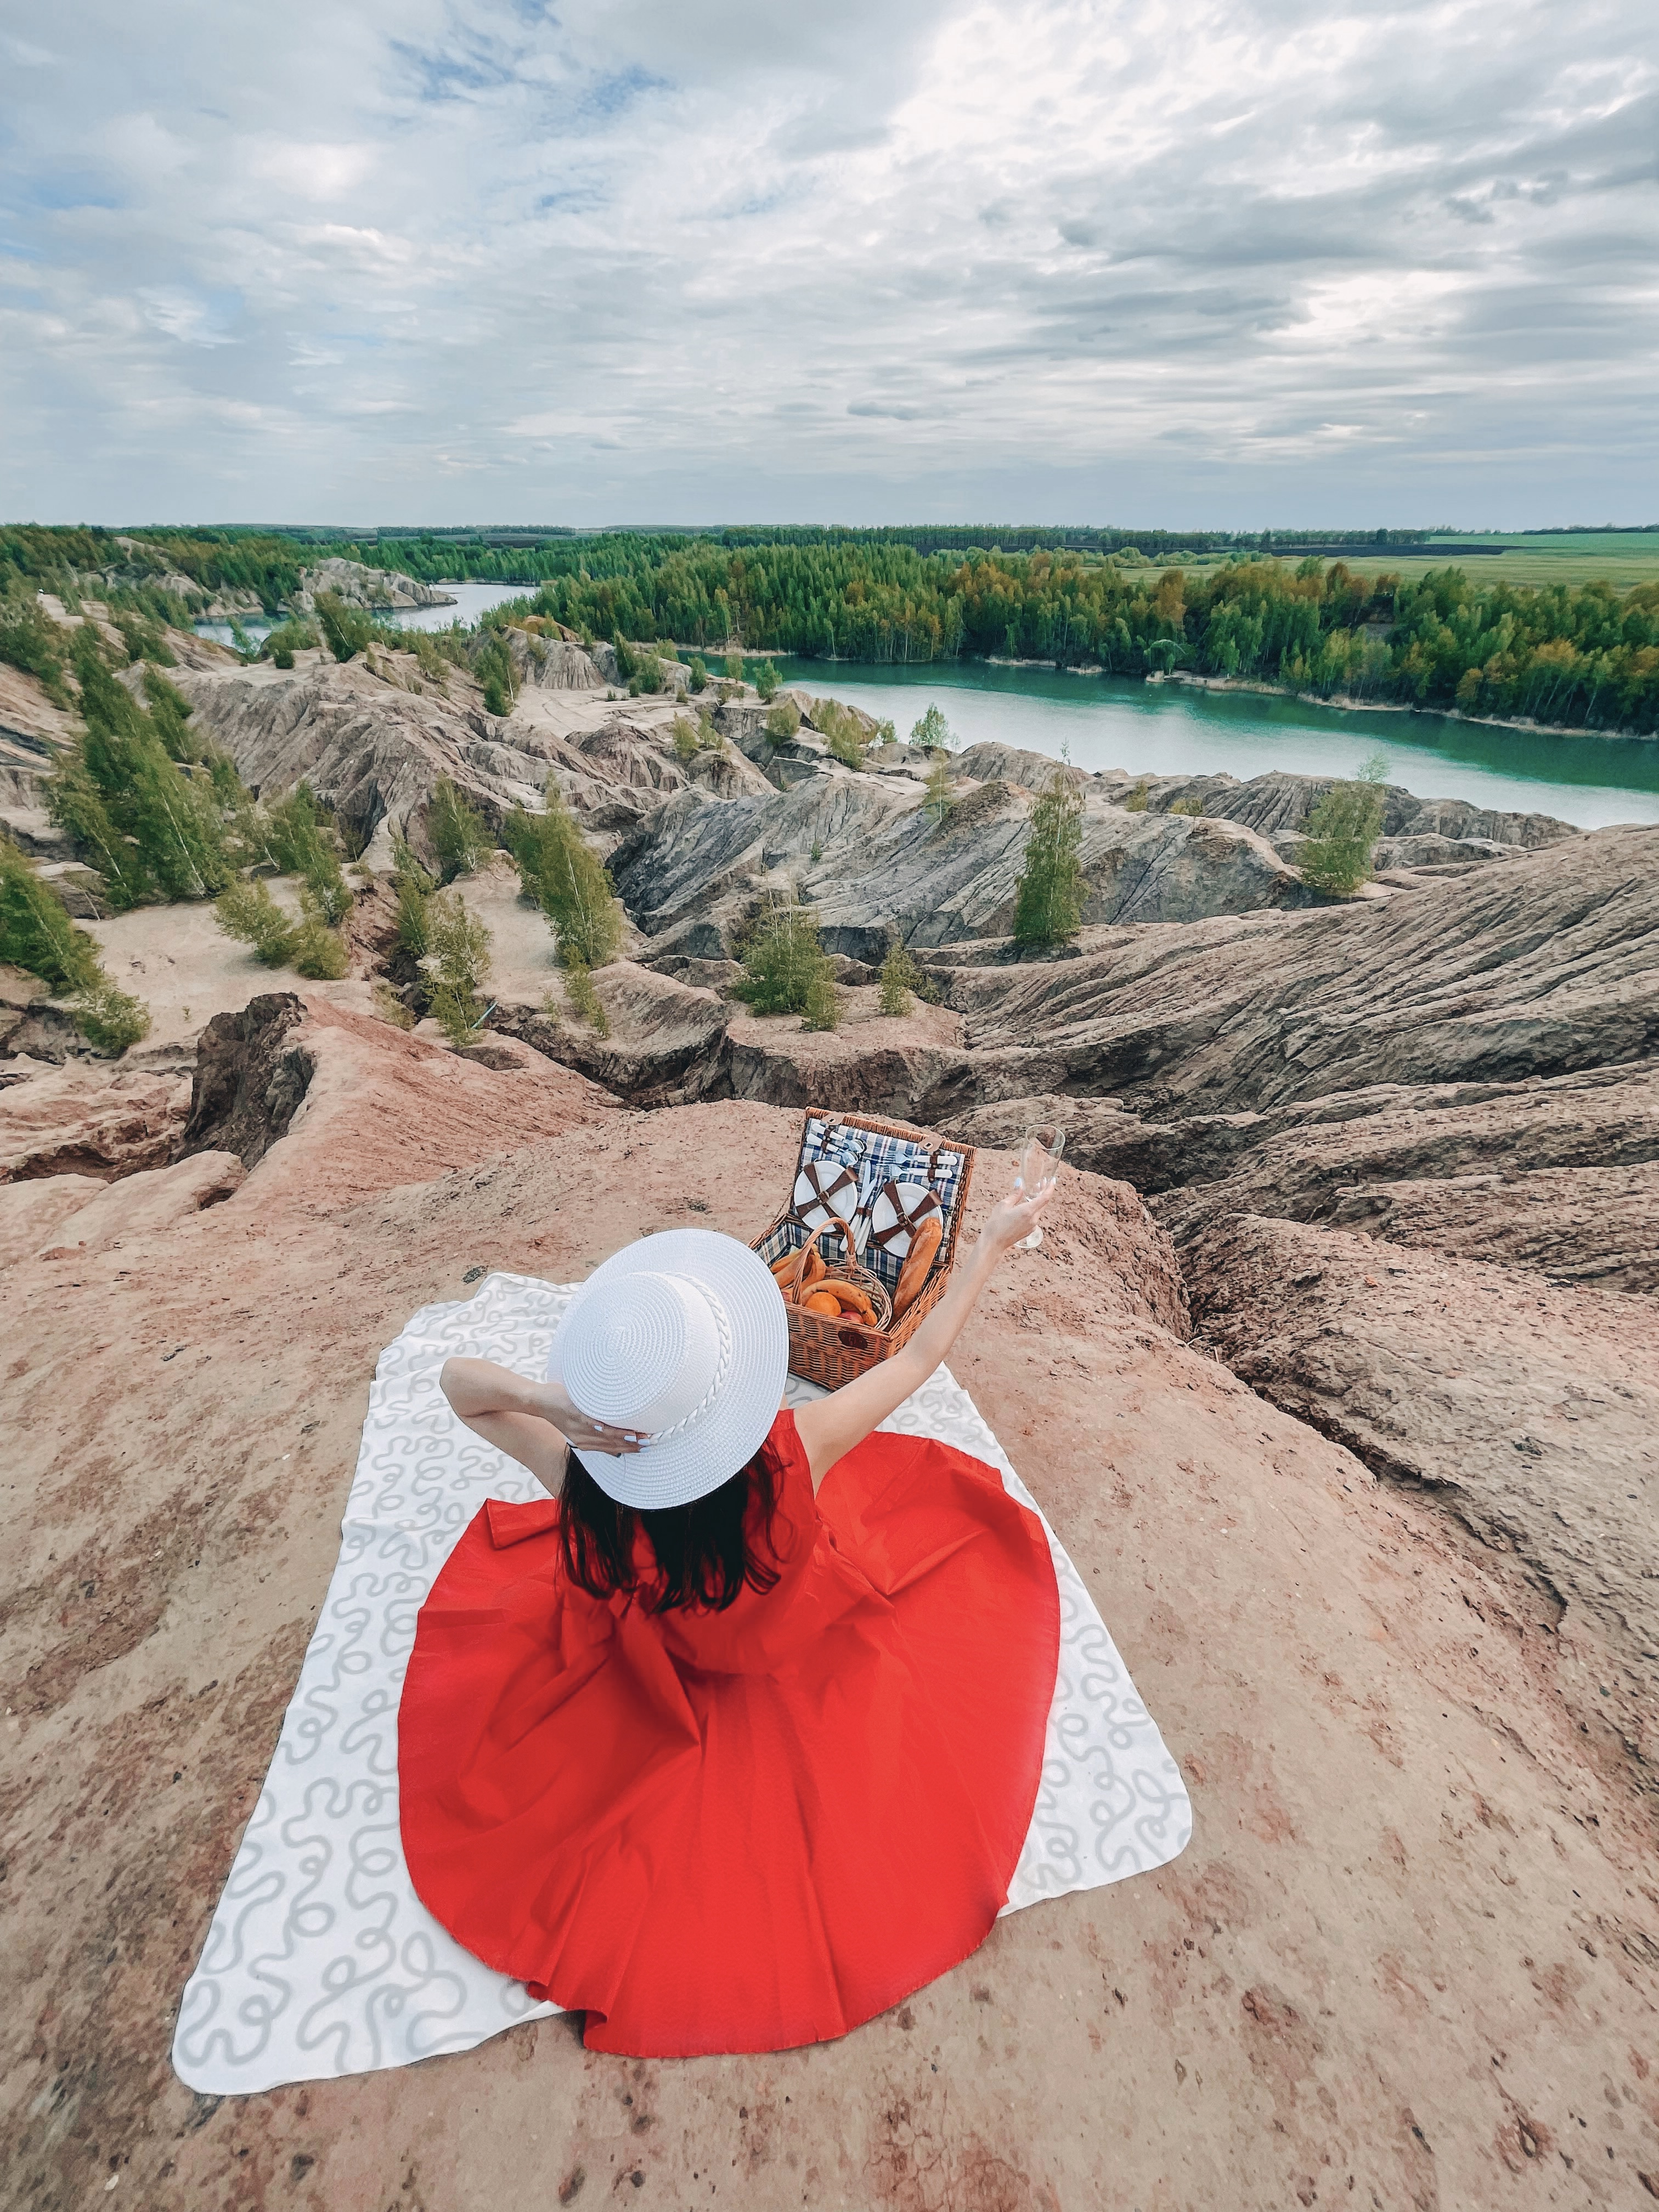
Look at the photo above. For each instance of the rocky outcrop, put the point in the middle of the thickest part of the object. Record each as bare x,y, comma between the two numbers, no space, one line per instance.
1546,966
251,1075
1597,1225
879,867
359,586
555,664
376,1106
370,748
672,1042
1531,1414
96,1122
54,1217
372,737
1302,1160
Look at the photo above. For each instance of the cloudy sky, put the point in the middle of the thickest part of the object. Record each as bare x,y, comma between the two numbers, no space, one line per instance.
695,260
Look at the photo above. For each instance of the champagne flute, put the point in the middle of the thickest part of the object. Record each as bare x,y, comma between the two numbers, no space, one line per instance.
1039,1167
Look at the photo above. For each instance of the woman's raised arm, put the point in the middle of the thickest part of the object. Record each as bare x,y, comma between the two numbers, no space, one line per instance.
830,1427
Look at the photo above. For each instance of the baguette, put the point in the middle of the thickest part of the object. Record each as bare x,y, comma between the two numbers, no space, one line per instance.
924,1249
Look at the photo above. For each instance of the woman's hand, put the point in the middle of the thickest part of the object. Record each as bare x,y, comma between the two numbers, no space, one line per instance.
1011,1219
576,1428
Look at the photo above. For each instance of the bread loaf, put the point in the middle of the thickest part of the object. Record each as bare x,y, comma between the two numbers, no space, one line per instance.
924,1250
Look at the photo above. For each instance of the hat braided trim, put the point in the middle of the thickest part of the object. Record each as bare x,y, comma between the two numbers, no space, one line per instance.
722,1373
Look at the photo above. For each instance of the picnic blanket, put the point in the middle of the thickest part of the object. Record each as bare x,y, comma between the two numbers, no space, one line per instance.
320,1960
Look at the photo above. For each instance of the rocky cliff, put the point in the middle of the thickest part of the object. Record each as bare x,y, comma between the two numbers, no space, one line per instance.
361,586
1414,1942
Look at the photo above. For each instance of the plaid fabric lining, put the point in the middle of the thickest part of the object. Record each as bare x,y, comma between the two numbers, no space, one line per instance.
877,1159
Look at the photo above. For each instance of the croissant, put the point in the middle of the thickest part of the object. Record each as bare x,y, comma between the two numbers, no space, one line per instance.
924,1249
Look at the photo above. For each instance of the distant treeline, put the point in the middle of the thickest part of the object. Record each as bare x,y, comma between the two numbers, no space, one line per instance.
1585,655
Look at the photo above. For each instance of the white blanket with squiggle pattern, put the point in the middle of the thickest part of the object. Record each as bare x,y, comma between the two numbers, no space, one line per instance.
320,1959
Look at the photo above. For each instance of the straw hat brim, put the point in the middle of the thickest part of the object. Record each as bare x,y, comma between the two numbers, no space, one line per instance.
710,1452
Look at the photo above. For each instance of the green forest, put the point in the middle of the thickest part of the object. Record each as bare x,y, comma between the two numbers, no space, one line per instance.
1585,654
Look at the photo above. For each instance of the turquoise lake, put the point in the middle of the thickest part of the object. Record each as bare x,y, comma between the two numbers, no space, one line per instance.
1169,729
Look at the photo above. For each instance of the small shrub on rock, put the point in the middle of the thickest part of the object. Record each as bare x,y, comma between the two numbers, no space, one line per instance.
37,934
844,732
390,1006
495,671
292,636
247,912
900,978
584,1000
1340,831
1049,903
347,631
766,680
699,672
319,950
110,1020
568,880
1135,802
1192,807
684,734
782,721
456,831
459,963
822,1007
782,961
734,668
941,796
931,732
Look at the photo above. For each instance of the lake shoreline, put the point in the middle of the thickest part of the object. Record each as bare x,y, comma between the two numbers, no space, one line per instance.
1342,703
1345,703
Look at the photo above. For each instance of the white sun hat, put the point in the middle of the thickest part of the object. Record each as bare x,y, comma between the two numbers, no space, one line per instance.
682,1339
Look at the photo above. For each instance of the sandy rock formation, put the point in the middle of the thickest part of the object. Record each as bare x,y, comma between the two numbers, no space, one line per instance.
90,1121
1598,1226
877,866
1309,1161
1545,966
359,586
287,1063
1414,1943
57,1215
1530,1412
372,737
371,749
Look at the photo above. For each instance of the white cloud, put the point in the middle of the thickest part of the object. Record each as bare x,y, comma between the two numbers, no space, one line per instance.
1081,260
310,172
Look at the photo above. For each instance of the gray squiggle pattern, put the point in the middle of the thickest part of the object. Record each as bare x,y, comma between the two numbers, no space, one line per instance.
320,1959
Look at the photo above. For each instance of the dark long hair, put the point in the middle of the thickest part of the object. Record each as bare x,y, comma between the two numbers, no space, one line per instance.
704,1555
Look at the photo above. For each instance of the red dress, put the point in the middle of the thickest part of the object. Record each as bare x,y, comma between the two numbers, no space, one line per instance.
746,1830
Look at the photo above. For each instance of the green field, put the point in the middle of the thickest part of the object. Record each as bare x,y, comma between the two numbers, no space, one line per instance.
1621,557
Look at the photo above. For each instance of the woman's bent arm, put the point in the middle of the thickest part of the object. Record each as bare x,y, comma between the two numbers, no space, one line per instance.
531,1422
830,1427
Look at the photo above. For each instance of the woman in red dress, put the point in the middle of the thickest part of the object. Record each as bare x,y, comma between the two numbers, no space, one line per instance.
734,1741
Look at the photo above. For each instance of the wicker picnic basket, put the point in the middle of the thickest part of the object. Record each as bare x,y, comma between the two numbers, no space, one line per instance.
832,1351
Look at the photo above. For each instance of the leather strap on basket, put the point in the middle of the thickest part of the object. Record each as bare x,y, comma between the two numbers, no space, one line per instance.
825,1181
907,1219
